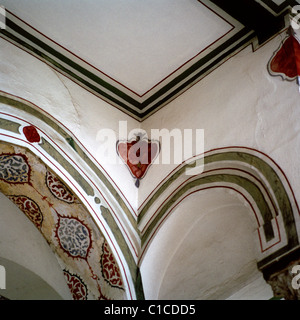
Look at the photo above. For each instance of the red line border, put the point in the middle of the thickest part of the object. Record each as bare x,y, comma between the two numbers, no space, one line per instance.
116,81
201,189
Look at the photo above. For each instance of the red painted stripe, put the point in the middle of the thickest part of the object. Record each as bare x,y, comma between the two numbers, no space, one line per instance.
91,208
211,187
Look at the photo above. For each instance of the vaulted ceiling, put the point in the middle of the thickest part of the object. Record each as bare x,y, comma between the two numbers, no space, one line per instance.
139,55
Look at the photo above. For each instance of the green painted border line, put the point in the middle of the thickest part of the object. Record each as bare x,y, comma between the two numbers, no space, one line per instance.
246,184
134,270
10,24
200,63
32,111
72,75
9,125
275,7
196,77
240,156
131,101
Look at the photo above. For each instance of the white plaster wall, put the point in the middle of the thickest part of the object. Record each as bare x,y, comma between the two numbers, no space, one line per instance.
81,112
206,249
27,258
238,104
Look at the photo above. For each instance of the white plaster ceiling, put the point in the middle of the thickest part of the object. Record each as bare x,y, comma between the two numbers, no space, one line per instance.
138,43
137,55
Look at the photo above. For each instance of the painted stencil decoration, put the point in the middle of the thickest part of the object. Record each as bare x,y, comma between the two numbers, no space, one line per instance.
285,61
31,134
110,270
58,188
138,154
14,168
29,207
74,237
77,287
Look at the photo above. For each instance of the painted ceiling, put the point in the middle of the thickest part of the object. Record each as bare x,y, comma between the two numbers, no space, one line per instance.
139,55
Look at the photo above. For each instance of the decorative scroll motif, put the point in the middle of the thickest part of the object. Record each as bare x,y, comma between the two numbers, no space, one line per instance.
58,189
110,270
14,168
76,286
138,154
74,237
30,208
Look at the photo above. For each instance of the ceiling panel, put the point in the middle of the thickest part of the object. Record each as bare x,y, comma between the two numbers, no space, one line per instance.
135,55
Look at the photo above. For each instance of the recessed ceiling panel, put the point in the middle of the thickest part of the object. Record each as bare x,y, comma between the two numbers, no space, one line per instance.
136,55
136,43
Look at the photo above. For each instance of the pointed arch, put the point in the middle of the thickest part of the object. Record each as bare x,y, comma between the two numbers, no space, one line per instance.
250,173
106,216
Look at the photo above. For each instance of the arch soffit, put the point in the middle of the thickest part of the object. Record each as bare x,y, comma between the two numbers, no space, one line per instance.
70,164
258,180
254,175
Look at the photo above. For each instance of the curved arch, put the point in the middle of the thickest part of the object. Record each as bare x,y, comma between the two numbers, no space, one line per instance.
63,154
32,269
25,284
81,249
253,174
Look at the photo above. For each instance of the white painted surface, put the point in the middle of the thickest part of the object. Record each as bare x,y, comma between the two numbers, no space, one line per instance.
239,104
32,270
136,43
206,249
80,112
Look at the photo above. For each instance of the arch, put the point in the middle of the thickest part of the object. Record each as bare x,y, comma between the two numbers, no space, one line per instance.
31,136
254,175
82,251
25,252
34,134
214,245
23,284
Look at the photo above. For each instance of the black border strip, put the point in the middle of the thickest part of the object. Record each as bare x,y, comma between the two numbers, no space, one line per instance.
197,76
10,24
231,7
107,97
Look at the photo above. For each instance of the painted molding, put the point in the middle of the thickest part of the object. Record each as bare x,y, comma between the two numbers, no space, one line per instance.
31,40
82,174
250,173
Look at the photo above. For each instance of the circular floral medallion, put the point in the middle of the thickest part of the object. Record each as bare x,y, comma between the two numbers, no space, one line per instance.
74,237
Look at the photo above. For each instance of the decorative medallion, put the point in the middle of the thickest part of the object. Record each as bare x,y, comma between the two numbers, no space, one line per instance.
74,237
110,270
31,134
76,286
58,189
14,168
285,61
30,208
138,154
